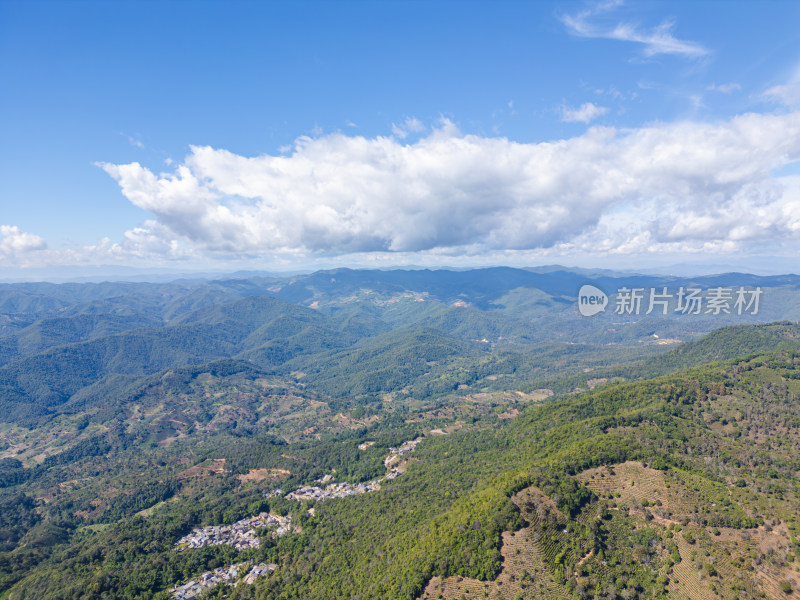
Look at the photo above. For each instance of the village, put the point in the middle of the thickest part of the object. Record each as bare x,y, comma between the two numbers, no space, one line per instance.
333,490
342,490
396,453
227,575
241,535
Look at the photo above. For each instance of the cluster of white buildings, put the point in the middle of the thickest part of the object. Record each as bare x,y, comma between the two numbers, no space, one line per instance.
333,490
227,575
341,490
396,453
241,535
258,571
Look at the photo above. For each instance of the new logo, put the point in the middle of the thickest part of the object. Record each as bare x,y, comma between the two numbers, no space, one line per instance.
591,300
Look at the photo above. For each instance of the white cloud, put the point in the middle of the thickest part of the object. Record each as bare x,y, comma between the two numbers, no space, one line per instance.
658,40
786,94
585,113
149,239
692,186
768,211
18,244
410,125
150,244
133,141
725,88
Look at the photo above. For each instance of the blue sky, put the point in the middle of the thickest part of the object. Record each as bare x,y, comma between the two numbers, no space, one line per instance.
280,135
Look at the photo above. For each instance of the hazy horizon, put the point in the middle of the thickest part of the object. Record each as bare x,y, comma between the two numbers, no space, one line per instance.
110,273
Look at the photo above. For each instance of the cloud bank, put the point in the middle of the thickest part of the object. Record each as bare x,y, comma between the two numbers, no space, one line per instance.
684,186
678,189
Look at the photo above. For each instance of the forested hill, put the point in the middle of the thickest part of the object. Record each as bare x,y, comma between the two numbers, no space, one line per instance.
722,344
40,382
682,486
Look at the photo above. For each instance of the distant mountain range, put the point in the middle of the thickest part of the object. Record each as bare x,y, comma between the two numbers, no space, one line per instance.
59,340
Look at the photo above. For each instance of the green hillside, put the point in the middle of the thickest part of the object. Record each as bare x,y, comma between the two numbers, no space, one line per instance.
727,343
680,486
37,384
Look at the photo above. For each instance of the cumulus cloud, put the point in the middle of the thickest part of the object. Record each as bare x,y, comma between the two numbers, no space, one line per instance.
769,211
585,113
15,243
673,185
658,40
150,239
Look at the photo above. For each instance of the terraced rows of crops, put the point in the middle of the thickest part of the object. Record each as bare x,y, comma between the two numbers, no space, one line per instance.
525,573
685,582
634,483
